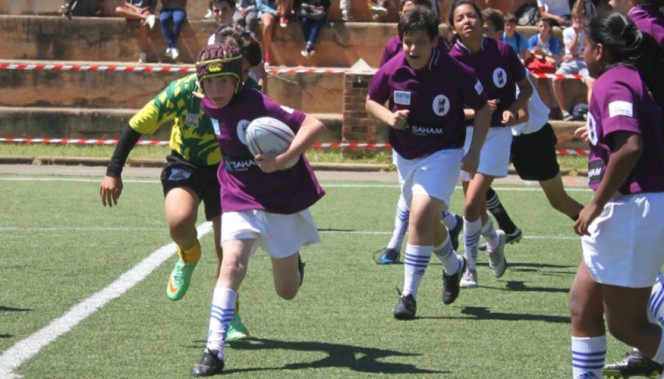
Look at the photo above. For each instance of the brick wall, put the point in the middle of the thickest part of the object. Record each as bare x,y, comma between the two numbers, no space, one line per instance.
358,125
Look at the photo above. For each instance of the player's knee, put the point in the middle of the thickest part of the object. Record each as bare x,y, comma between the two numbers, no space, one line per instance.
287,292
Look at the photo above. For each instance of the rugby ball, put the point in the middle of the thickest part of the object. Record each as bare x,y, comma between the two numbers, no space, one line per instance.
267,135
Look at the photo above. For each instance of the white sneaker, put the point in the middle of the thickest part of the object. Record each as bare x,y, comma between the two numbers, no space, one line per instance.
469,279
168,52
208,14
150,21
344,16
497,260
174,53
143,58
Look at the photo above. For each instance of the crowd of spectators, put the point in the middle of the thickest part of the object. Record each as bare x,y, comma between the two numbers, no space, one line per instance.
542,52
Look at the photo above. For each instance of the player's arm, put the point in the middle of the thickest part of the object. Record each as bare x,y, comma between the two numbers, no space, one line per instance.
308,133
626,153
111,186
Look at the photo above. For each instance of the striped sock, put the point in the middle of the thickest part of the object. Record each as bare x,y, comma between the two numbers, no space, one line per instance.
588,355
400,225
495,207
221,315
489,233
449,219
448,256
656,302
471,238
415,263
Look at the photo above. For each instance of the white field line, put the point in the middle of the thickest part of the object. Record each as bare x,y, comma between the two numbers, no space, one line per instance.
25,349
322,231
529,187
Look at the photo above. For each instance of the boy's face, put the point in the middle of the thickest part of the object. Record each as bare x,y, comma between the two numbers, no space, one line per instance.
417,45
510,28
223,12
219,90
491,31
544,28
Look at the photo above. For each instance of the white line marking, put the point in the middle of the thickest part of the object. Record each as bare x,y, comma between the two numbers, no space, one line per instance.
323,231
76,229
28,347
529,187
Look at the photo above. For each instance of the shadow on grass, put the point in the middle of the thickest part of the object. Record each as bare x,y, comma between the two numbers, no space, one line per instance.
3,336
484,313
356,358
521,286
12,309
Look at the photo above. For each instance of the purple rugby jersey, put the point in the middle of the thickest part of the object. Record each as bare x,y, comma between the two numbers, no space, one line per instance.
621,102
435,96
649,19
394,47
243,185
498,68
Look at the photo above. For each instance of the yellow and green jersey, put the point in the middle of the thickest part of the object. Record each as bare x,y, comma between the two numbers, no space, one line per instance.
192,135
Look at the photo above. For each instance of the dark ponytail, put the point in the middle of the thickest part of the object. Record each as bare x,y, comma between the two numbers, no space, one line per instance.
627,45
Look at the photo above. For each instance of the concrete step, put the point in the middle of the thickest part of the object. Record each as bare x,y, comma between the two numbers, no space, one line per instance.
114,39
310,92
197,8
100,123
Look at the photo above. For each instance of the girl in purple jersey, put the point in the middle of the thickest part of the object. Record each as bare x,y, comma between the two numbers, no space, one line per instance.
500,71
621,227
426,91
265,205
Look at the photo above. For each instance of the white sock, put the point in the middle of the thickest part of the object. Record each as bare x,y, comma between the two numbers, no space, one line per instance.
588,355
656,302
400,225
415,263
659,355
448,256
471,238
489,233
449,219
221,315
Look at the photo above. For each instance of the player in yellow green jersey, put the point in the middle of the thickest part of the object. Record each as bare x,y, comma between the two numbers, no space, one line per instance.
189,175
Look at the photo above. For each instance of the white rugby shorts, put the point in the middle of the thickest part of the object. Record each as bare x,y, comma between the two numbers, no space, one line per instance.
495,154
434,175
626,243
279,235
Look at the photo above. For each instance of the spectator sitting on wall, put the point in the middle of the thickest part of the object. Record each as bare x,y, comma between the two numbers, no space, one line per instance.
142,10
572,61
556,10
313,15
247,15
172,16
514,38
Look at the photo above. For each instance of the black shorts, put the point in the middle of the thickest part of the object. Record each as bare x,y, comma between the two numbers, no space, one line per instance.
534,155
179,173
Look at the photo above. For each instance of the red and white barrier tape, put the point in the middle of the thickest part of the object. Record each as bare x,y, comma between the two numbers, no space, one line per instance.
191,69
319,145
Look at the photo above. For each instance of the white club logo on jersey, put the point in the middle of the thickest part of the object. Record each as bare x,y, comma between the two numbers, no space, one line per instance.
499,77
478,87
402,97
592,129
242,130
215,126
441,105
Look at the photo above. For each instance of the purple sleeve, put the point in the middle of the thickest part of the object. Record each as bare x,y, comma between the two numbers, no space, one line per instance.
518,72
474,95
618,110
289,116
379,90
